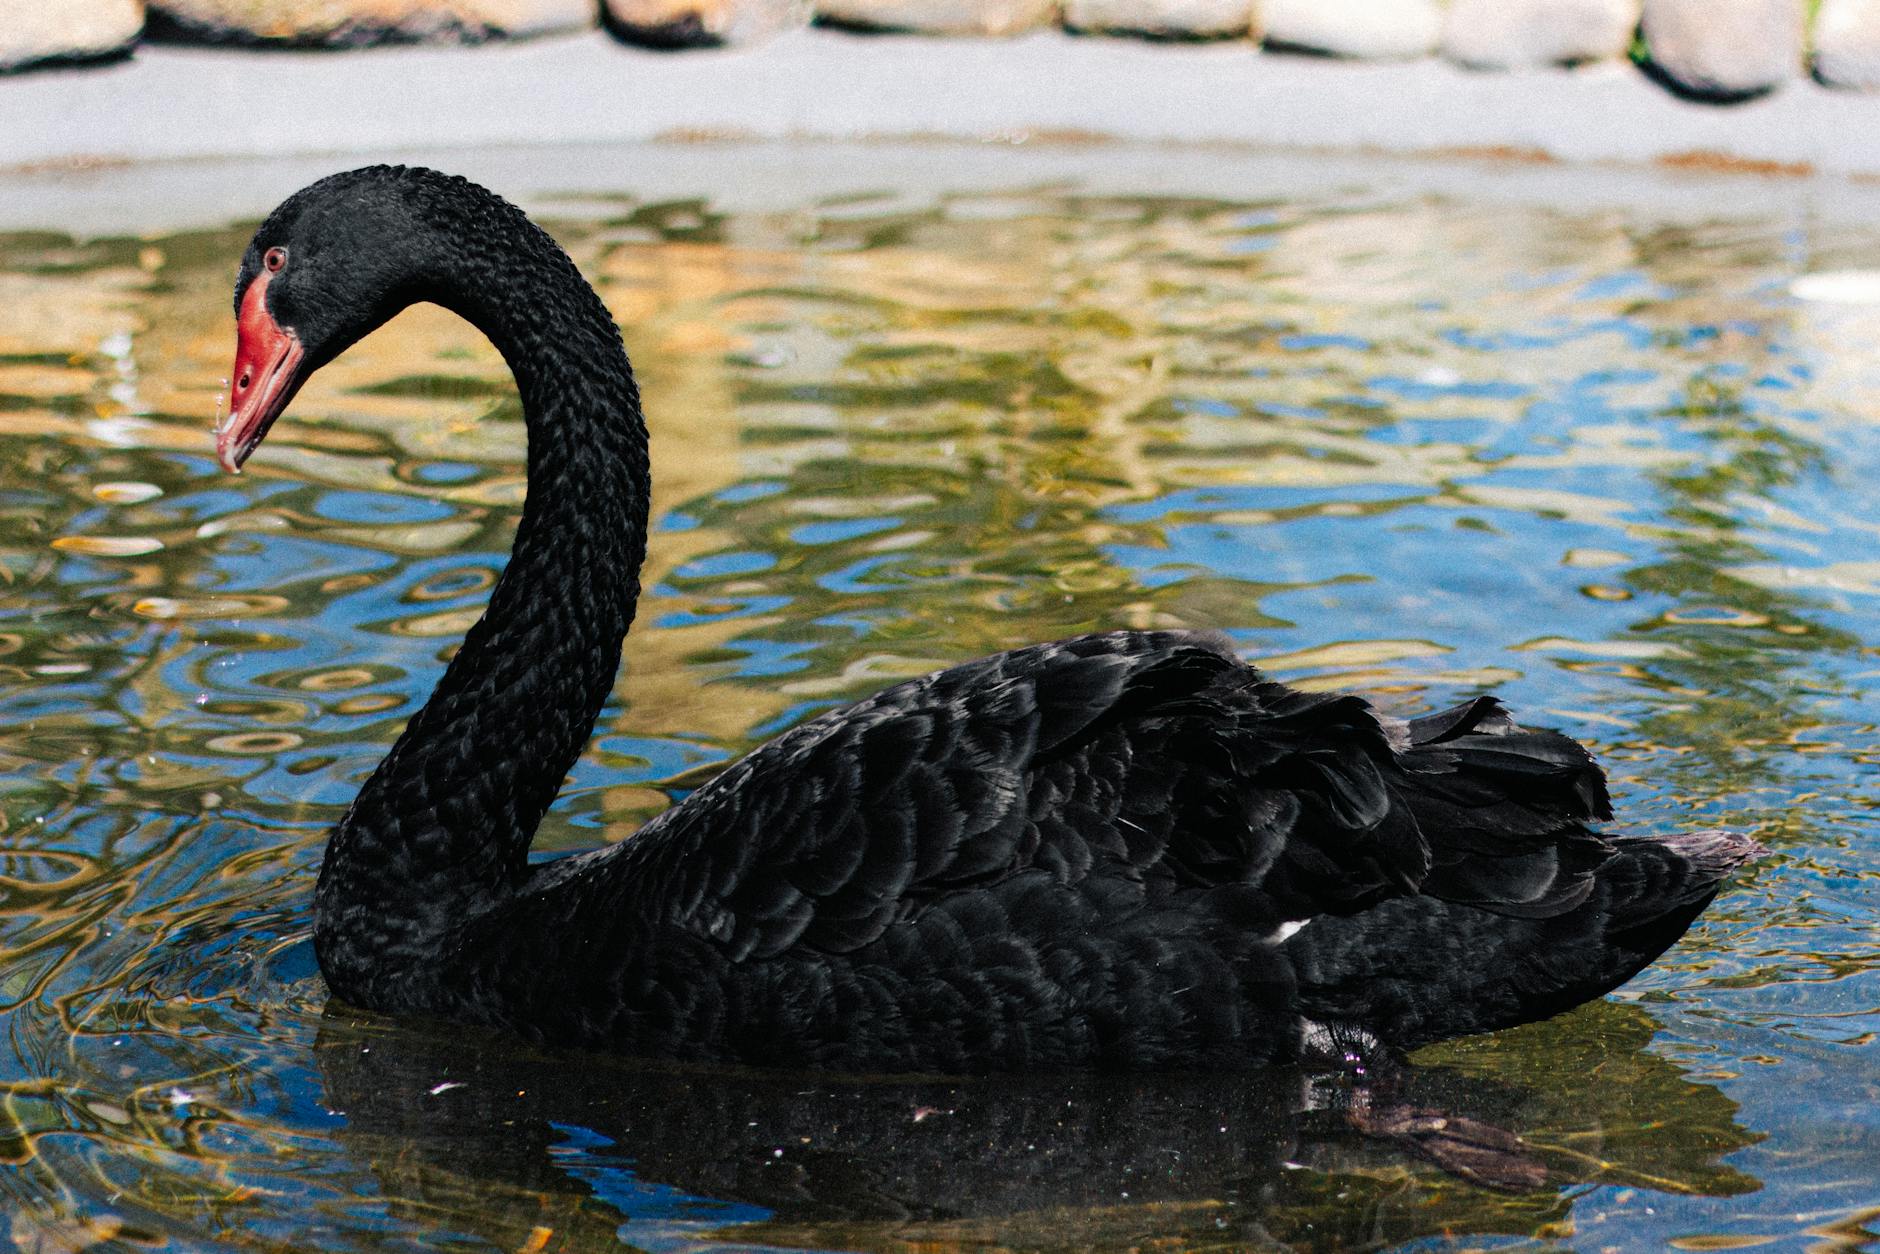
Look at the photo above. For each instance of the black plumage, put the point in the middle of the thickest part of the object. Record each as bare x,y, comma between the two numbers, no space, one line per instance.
1092,853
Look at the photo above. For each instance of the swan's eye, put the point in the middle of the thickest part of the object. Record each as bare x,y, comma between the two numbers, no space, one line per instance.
275,259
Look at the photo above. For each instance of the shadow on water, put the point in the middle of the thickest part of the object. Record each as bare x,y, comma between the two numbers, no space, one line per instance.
585,1145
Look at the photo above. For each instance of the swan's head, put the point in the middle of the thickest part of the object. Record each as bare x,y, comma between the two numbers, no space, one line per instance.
334,261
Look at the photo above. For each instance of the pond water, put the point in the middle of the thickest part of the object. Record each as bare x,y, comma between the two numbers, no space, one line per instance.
1608,463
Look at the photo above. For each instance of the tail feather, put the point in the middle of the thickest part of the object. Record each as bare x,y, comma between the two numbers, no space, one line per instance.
1419,969
1474,757
1483,716
1655,881
1532,885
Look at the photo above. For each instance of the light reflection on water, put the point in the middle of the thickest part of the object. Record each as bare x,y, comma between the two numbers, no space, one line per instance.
1607,466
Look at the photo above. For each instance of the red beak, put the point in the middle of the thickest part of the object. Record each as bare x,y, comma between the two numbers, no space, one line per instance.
267,374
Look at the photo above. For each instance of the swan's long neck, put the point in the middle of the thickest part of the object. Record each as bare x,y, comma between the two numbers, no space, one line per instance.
441,831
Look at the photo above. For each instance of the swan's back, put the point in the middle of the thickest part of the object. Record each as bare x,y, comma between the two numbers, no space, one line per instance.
1088,853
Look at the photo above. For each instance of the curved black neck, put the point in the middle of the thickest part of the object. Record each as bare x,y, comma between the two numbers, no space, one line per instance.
441,831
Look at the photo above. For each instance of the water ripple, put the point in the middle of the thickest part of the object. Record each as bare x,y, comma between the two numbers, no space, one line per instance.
1604,464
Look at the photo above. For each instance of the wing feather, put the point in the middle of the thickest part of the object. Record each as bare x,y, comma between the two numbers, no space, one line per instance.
1155,762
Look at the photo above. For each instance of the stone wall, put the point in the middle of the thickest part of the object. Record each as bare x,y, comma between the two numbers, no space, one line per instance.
1714,50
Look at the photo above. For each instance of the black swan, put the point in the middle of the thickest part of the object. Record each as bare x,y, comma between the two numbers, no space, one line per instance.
1122,851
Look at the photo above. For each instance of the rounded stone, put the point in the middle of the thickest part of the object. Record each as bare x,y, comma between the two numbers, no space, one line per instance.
1162,19
1724,49
68,30
1504,34
940,17
703,23
1371,29
345,23
1847,43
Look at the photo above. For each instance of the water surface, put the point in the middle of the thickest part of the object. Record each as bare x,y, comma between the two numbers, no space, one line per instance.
1602,462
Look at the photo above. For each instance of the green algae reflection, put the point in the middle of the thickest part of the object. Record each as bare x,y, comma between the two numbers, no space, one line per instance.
1599,462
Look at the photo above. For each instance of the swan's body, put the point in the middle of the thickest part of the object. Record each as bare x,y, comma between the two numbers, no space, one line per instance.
1127,850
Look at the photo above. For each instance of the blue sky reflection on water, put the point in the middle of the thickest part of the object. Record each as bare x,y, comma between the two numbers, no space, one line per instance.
1600,463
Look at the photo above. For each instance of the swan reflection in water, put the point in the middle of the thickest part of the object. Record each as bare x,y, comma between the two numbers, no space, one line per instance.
476,1132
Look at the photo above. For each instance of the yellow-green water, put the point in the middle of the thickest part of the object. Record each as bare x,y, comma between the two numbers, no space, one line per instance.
1606,466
